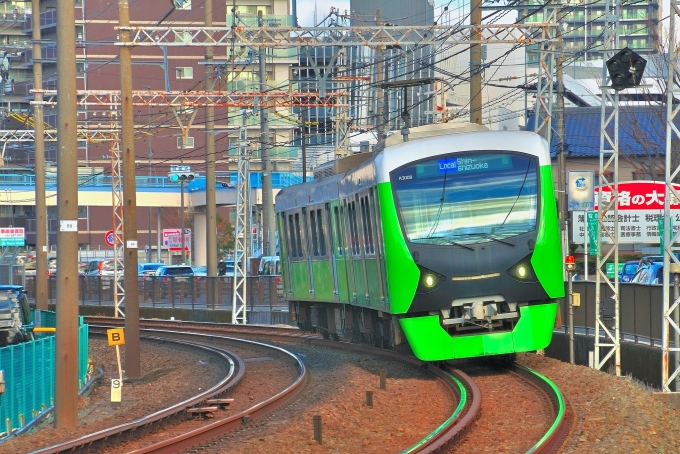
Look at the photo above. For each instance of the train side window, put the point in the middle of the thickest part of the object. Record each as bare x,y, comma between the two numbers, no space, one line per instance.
354,229
291,237
367,224
322,236
298,241
281,222
374,220
338,231
312,230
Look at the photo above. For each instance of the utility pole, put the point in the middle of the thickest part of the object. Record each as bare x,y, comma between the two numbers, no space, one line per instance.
149,155
181,221
130,258
475,66
41,230
303,145
380,77
66,351
268,229
210,196
559,114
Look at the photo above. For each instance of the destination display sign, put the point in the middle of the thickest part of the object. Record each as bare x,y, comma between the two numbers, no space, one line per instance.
480,163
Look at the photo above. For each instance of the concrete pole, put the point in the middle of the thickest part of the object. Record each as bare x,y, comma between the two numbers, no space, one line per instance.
181,221
158,235
66,351
561,158
40,202
476,66
570,296
210,196
303,145
130,259
380,78
268,228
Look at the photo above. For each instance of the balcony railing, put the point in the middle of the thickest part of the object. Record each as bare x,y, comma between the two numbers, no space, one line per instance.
48,19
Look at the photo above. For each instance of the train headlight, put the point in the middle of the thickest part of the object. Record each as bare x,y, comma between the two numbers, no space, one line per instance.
523,271
429,280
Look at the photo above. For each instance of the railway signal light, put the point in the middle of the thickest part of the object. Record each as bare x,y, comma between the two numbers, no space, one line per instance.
625,69
569,263
181,174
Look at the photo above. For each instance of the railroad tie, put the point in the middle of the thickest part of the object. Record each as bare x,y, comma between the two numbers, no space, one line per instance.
222,403
203,412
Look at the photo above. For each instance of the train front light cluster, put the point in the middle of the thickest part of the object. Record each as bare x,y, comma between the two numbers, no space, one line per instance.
523,271
429,280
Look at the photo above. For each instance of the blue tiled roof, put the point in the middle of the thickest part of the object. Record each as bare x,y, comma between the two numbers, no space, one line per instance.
642,131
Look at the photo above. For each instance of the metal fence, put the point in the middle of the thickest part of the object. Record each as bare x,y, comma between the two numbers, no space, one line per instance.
263,293
29,370
12,274
640,309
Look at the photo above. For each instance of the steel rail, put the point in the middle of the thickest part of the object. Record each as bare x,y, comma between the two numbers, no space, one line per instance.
174,412
558,431
459,383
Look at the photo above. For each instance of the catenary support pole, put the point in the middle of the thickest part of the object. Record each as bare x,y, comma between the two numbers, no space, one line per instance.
41,230
210,196
130,259
268,229
476,66
303,144
66,352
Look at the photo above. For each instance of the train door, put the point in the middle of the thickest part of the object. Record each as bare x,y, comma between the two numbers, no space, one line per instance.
370,271
285,249
324,287
350,250
298,265
332,246
358,259
307,251
341,251
379,246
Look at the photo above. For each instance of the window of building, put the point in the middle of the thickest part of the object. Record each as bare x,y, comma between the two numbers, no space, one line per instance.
82,212
186,72
182,4
253,9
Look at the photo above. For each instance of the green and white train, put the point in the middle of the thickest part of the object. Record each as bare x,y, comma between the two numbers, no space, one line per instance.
449,240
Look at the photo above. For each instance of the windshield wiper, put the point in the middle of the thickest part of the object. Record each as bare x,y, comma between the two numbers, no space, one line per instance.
448,239
489,237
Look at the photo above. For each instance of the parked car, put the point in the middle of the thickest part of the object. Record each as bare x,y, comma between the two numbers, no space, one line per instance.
15,316
200,271
650,274
648,260
270,266
181,276
149,269
628,271
100,267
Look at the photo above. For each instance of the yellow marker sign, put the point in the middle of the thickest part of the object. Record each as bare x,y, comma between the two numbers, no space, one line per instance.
116,336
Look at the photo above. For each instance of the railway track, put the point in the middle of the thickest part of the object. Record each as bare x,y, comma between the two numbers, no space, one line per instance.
453,430
467,393
186,410
526,410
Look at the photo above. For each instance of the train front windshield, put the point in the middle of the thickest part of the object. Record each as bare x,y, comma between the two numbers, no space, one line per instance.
467,198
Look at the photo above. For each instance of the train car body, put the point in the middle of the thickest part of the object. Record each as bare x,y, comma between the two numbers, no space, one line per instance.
449,240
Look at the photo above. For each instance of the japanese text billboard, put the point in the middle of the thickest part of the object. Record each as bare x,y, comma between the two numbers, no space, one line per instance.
640,204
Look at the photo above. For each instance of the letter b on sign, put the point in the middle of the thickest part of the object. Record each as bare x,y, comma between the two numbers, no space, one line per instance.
116,336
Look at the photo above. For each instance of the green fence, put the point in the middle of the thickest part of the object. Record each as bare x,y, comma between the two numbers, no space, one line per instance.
29,374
